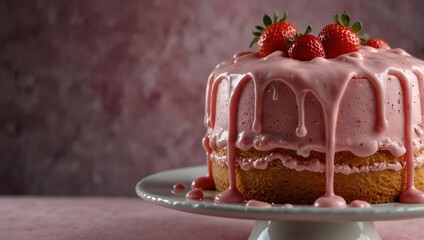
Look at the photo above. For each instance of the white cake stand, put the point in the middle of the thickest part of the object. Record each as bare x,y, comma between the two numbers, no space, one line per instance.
276,222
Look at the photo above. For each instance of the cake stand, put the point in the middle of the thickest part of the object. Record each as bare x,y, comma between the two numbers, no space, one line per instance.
275,222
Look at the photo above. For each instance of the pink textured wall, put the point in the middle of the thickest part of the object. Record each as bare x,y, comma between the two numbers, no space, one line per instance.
94,95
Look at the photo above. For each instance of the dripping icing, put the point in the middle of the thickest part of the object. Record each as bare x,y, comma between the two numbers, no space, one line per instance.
328,94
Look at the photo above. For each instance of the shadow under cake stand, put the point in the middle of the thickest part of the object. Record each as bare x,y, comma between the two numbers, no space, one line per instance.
276,222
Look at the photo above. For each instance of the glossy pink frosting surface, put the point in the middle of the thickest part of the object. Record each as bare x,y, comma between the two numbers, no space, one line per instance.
360,102
346,78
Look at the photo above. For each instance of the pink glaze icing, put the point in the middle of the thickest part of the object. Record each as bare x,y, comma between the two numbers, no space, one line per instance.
313,165
195,194
360,102
205,182
360,204
256,203
178,187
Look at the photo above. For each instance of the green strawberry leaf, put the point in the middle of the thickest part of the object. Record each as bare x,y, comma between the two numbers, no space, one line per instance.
308,30
267,20
275,17
345,19
356,27
364,37
255,40
284,18
336,18
256,33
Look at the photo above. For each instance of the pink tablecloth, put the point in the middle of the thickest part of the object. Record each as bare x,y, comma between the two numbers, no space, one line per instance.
131,218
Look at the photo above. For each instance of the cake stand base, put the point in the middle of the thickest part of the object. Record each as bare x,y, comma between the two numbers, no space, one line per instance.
301,222
293,230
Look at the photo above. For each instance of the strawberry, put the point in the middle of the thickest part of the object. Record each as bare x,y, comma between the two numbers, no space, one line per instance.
274,35
377,43
338,38
306,47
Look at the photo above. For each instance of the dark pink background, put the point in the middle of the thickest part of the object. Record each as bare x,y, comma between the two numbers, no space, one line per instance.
95,95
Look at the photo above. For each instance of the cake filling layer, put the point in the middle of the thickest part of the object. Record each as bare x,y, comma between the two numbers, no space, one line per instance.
312,165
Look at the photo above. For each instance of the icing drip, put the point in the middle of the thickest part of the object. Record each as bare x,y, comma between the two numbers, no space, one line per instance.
330,117
232,195
410,194
274,93
257,121
330,199
301,128
206,182
302,78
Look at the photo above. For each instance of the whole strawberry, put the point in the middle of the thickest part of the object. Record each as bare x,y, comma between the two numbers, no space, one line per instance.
338,38
306,47
274,35
377,43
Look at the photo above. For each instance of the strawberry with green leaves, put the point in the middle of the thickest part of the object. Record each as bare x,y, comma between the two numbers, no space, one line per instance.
338,38
274,35
306,47
377,43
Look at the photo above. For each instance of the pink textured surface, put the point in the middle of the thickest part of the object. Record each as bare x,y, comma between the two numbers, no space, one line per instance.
94,95
108,218
130,218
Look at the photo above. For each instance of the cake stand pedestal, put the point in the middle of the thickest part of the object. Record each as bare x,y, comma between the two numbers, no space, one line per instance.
276,222
290,230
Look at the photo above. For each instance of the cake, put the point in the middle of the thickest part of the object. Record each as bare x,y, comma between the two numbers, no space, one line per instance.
323,131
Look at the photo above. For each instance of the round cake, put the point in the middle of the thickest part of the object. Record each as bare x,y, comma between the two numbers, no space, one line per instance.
326,131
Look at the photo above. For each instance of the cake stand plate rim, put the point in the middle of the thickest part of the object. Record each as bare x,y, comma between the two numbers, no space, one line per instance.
158,189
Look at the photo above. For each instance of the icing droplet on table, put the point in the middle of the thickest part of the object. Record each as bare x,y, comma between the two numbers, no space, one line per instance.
332,201
205,183
230,195
359,204
288,205
195,194
412,195
256,203
178,187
